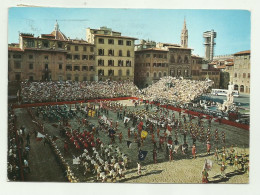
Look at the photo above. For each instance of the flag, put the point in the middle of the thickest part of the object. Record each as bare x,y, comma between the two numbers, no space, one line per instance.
93,113
126,118
76,161
90,113
142,154
39,136
144,134
208,165
129,143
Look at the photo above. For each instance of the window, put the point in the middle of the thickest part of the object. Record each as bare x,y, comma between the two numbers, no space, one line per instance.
154,64
30,43
120,72
76,78
30,78
248,75
84,57
68,56
59,45
160,74
60,58
101,52
69,77
84,78
172,72
165,56
60,66
45,43
68,47
30,57
164,74
179,59
100,62
91,68
91,57
120,53
235,74
128,53
154,75
120,63
160,55
46,57
127,72
244,75
76,68
110,72
69,68
172,59
147,55
120,42
101,41
100,72
186,60
17,56
17,65
91,49
76,48
84,48
128,43
46,66
30,66
147,74
110,62
76,57
128,63
111,41
111,52
147,64
154,55
84,68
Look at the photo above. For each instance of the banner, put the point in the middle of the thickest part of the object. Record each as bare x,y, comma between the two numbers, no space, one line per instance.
144,134
126,118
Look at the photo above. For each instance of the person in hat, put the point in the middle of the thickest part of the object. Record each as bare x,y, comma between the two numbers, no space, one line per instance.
193,150
222,169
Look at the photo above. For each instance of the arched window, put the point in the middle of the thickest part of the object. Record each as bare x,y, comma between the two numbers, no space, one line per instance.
235,87
235,74
242,88
147,74
164,74
179,59
172,59
160,74
154,75
186,60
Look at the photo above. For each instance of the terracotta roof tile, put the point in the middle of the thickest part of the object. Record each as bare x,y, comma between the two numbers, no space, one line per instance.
243,52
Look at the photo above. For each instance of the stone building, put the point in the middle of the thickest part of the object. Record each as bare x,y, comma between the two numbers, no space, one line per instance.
155,60
114,54
50,57
196,67
150,65
241,78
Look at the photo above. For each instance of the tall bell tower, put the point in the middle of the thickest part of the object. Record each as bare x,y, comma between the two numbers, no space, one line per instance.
184,35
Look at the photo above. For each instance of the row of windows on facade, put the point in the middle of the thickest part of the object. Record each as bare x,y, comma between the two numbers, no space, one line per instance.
154,65
197,73
128,63
244,75
101,72
112,42
60,78
149,55
242,88
17,65
147,74
60,45
77,57
179,59
110,52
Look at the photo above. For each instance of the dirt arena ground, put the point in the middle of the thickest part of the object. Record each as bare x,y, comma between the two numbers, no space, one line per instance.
183,169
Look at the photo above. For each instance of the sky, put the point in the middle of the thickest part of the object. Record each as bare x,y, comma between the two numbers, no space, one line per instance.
233,27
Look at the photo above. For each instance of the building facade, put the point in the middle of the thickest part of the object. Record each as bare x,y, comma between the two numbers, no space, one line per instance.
241,75
150,65
114,54
50,57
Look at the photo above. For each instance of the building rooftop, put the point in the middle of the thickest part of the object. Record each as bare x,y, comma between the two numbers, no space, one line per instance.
124,37
14,49
243,52
152,49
